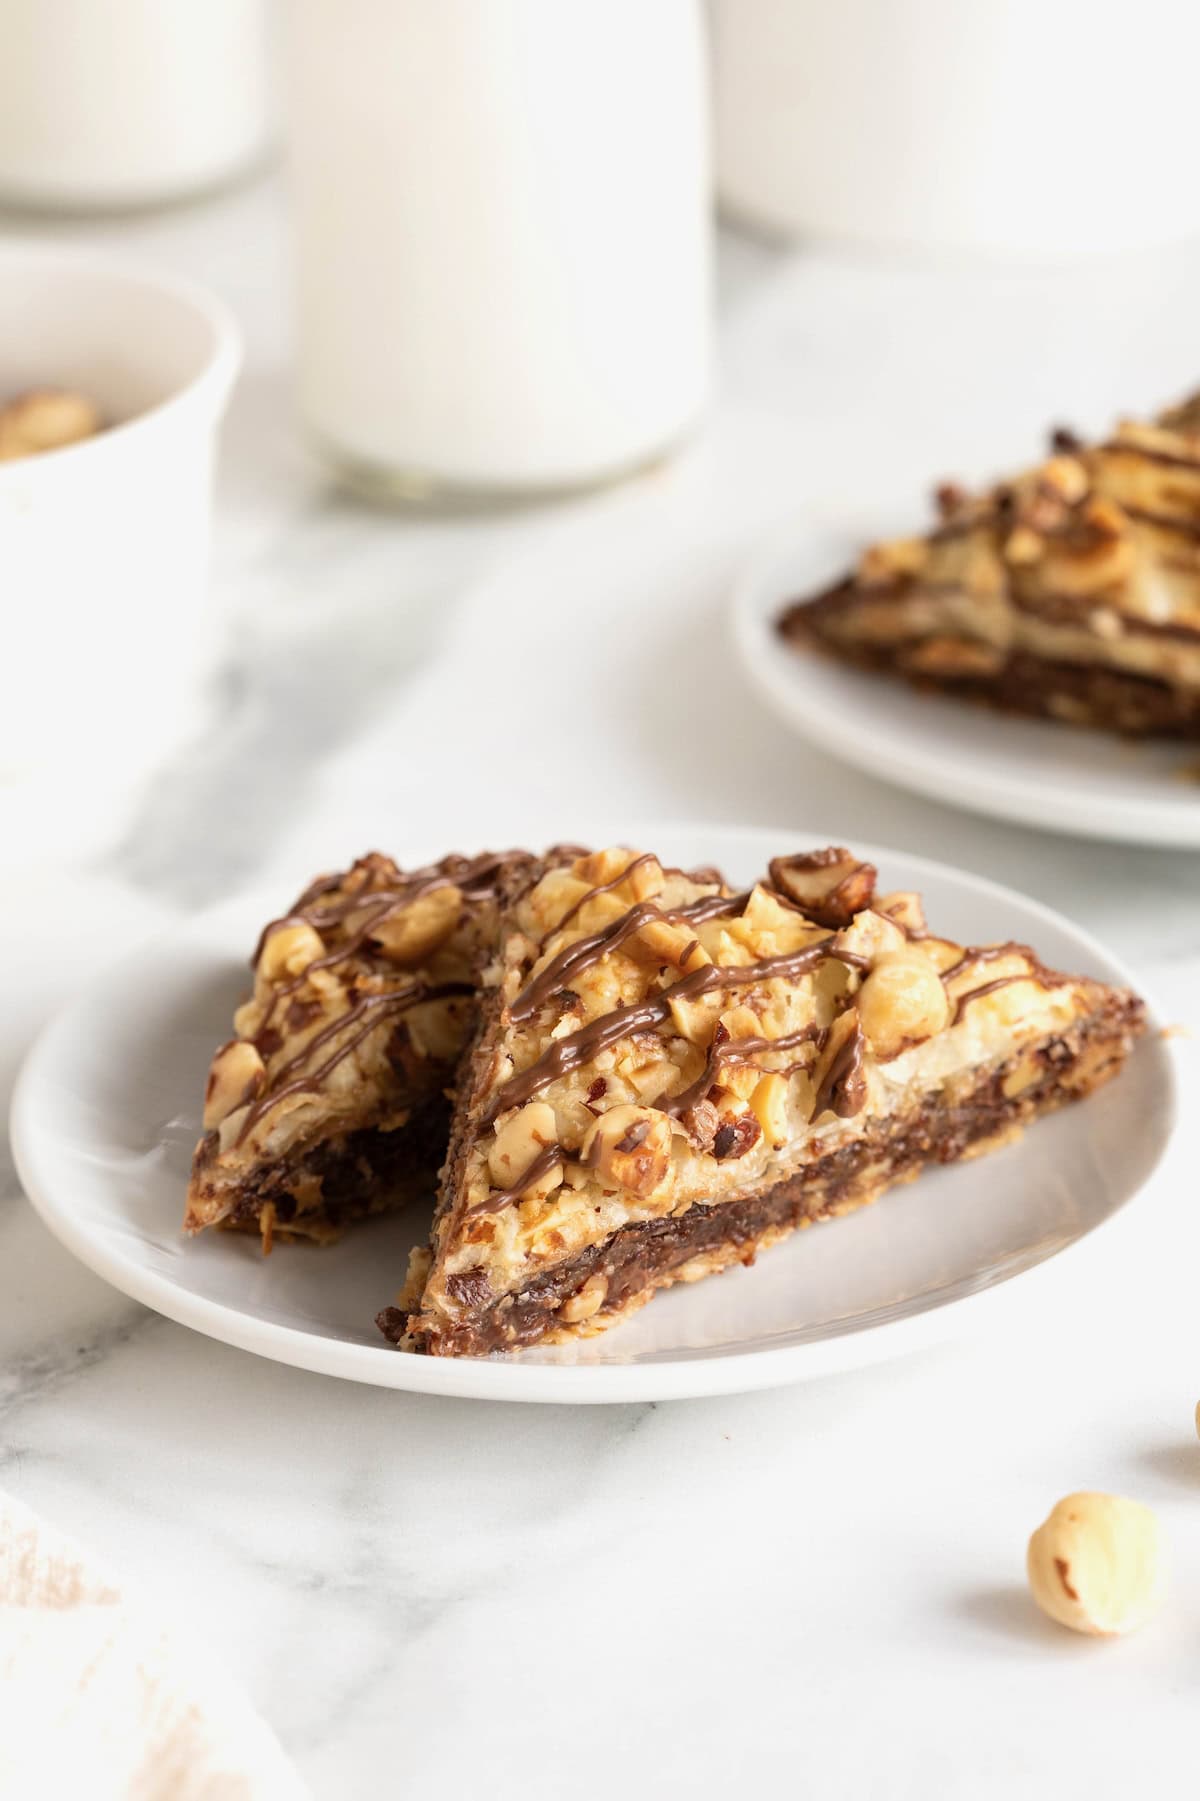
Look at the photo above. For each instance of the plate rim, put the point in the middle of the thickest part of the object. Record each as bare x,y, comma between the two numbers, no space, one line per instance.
753,600
514,1379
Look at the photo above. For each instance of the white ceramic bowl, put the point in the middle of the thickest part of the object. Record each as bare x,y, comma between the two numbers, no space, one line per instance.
104,545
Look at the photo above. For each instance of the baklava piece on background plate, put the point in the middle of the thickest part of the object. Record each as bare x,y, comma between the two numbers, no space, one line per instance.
1072,592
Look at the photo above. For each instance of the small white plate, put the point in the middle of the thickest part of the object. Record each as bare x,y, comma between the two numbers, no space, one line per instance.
1058,777
106,1115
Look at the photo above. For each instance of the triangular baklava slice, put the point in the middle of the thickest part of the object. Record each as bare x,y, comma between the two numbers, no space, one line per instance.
1071,592
331,1100
669,1077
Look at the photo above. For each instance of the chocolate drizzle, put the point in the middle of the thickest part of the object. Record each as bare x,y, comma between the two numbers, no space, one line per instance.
373,891
843,1088
366,1014
726,1049
991,953
394,888
975,994
642,862
569,1053
543,1163
584,952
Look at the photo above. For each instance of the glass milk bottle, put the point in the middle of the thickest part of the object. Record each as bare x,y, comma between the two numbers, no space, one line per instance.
503,238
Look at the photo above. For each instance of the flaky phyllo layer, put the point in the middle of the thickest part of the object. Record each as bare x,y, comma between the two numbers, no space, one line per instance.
655,1046
330,1100
1072,590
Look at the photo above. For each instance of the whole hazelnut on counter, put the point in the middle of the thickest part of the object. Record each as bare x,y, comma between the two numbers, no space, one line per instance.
1097,1565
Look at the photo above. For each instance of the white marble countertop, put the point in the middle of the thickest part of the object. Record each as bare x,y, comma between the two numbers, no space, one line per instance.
817,1590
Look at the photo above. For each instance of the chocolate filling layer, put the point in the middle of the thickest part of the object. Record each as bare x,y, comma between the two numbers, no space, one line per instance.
650,1254
359,1173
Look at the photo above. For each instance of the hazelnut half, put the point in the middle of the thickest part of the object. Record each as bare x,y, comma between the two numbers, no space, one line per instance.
902,1001
830,885
518,1145
630,1146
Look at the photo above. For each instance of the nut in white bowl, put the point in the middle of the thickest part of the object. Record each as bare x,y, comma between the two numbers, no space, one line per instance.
106,539
1097,1564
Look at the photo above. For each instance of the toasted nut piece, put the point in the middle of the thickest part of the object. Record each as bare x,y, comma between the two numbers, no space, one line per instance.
1066,477
46,419
830,886
235,1077
1081,545
673,943
247,1018
1023,545
949,656
1106,623
407,936
950,498
763,913
557,894
644,881
870,935
901,1002
742,1022
838,1081
588,1301
289,950
739,1079
694,1019
518,1144
1097,1564
435,1029
630,1146
1103,559
905,910
736,1134
943,953
885,563
650,1081
766,927
603,865
230,1129
769,1106
1023,1074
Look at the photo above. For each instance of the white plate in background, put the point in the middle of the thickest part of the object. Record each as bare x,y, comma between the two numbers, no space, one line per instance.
1057,777
107,1111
